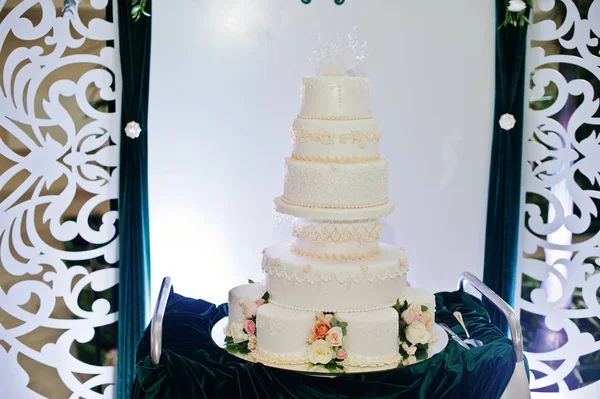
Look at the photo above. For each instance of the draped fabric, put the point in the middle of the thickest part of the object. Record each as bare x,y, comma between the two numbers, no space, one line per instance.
192,366
502,230
134,261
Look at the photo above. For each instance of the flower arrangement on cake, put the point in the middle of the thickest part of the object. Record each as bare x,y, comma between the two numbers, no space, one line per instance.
240,337
326,340
415,331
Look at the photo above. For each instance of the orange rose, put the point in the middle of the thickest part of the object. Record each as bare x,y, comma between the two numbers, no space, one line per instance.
319,330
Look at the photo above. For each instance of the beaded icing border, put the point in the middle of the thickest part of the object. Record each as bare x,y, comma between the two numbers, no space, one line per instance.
334,206
336,257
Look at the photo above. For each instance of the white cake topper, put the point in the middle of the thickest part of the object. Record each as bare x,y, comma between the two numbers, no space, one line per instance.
340,56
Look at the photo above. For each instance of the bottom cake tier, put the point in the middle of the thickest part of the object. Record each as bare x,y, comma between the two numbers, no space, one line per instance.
381,338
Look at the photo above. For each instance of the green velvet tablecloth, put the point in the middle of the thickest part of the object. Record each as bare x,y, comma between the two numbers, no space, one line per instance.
192,366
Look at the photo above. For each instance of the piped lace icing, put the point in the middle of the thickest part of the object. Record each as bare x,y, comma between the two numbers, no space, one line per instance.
322,233
354,273
359,137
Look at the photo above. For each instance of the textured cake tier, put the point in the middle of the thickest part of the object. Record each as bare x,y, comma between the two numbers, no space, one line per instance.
371,339
335,141
281,334
237,294
336,96
312,284
334,239
335,185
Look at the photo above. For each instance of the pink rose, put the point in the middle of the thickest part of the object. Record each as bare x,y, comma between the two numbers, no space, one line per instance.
341,354
334,336
411,314
249,308
250,327
427,319
260,302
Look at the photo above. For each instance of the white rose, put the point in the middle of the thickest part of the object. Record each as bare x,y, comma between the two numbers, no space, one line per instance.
417,333
320,352
251,346
237,332
507,121
133,130
516,5
334,336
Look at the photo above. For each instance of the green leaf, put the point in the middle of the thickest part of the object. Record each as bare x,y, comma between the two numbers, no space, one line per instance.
250,281
229,340
244,350
330,366
145,13
334,322
344,331
135,9
343,324
266,296
424,308
403,353
422,347
421,355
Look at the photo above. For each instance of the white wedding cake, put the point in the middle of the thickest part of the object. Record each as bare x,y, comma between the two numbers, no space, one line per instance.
333,295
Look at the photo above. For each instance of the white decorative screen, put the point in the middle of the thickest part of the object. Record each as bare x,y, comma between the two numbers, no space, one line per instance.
559,268
59,136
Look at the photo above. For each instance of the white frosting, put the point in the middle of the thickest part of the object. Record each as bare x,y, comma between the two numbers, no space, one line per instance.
371,339
371,335
336,96
282,332
331,237
316,213
335,139
329,285
334,185
237,294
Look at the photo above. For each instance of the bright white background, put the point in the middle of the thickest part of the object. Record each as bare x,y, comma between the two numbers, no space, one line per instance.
225,88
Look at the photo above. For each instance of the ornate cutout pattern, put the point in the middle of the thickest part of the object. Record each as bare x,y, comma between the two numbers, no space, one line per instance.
59,140
558,295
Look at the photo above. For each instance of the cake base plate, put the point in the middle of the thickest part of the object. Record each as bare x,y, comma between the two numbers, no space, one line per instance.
218,336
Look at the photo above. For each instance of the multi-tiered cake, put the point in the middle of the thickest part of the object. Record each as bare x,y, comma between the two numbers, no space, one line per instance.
333,295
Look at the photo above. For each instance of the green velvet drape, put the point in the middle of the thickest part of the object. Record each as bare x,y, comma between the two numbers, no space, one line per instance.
502,230
134,263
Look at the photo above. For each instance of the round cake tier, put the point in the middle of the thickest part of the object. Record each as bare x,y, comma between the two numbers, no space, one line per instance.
338,141
372,338
336,96
282,336
305,283
283,206
334,239
341,186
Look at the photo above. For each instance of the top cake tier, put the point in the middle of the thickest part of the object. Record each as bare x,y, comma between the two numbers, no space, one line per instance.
336,96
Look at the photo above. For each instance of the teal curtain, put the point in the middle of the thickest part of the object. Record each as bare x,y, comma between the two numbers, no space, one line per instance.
502,229
134,263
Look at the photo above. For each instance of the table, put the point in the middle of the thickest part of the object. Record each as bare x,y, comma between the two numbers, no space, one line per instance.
192,366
